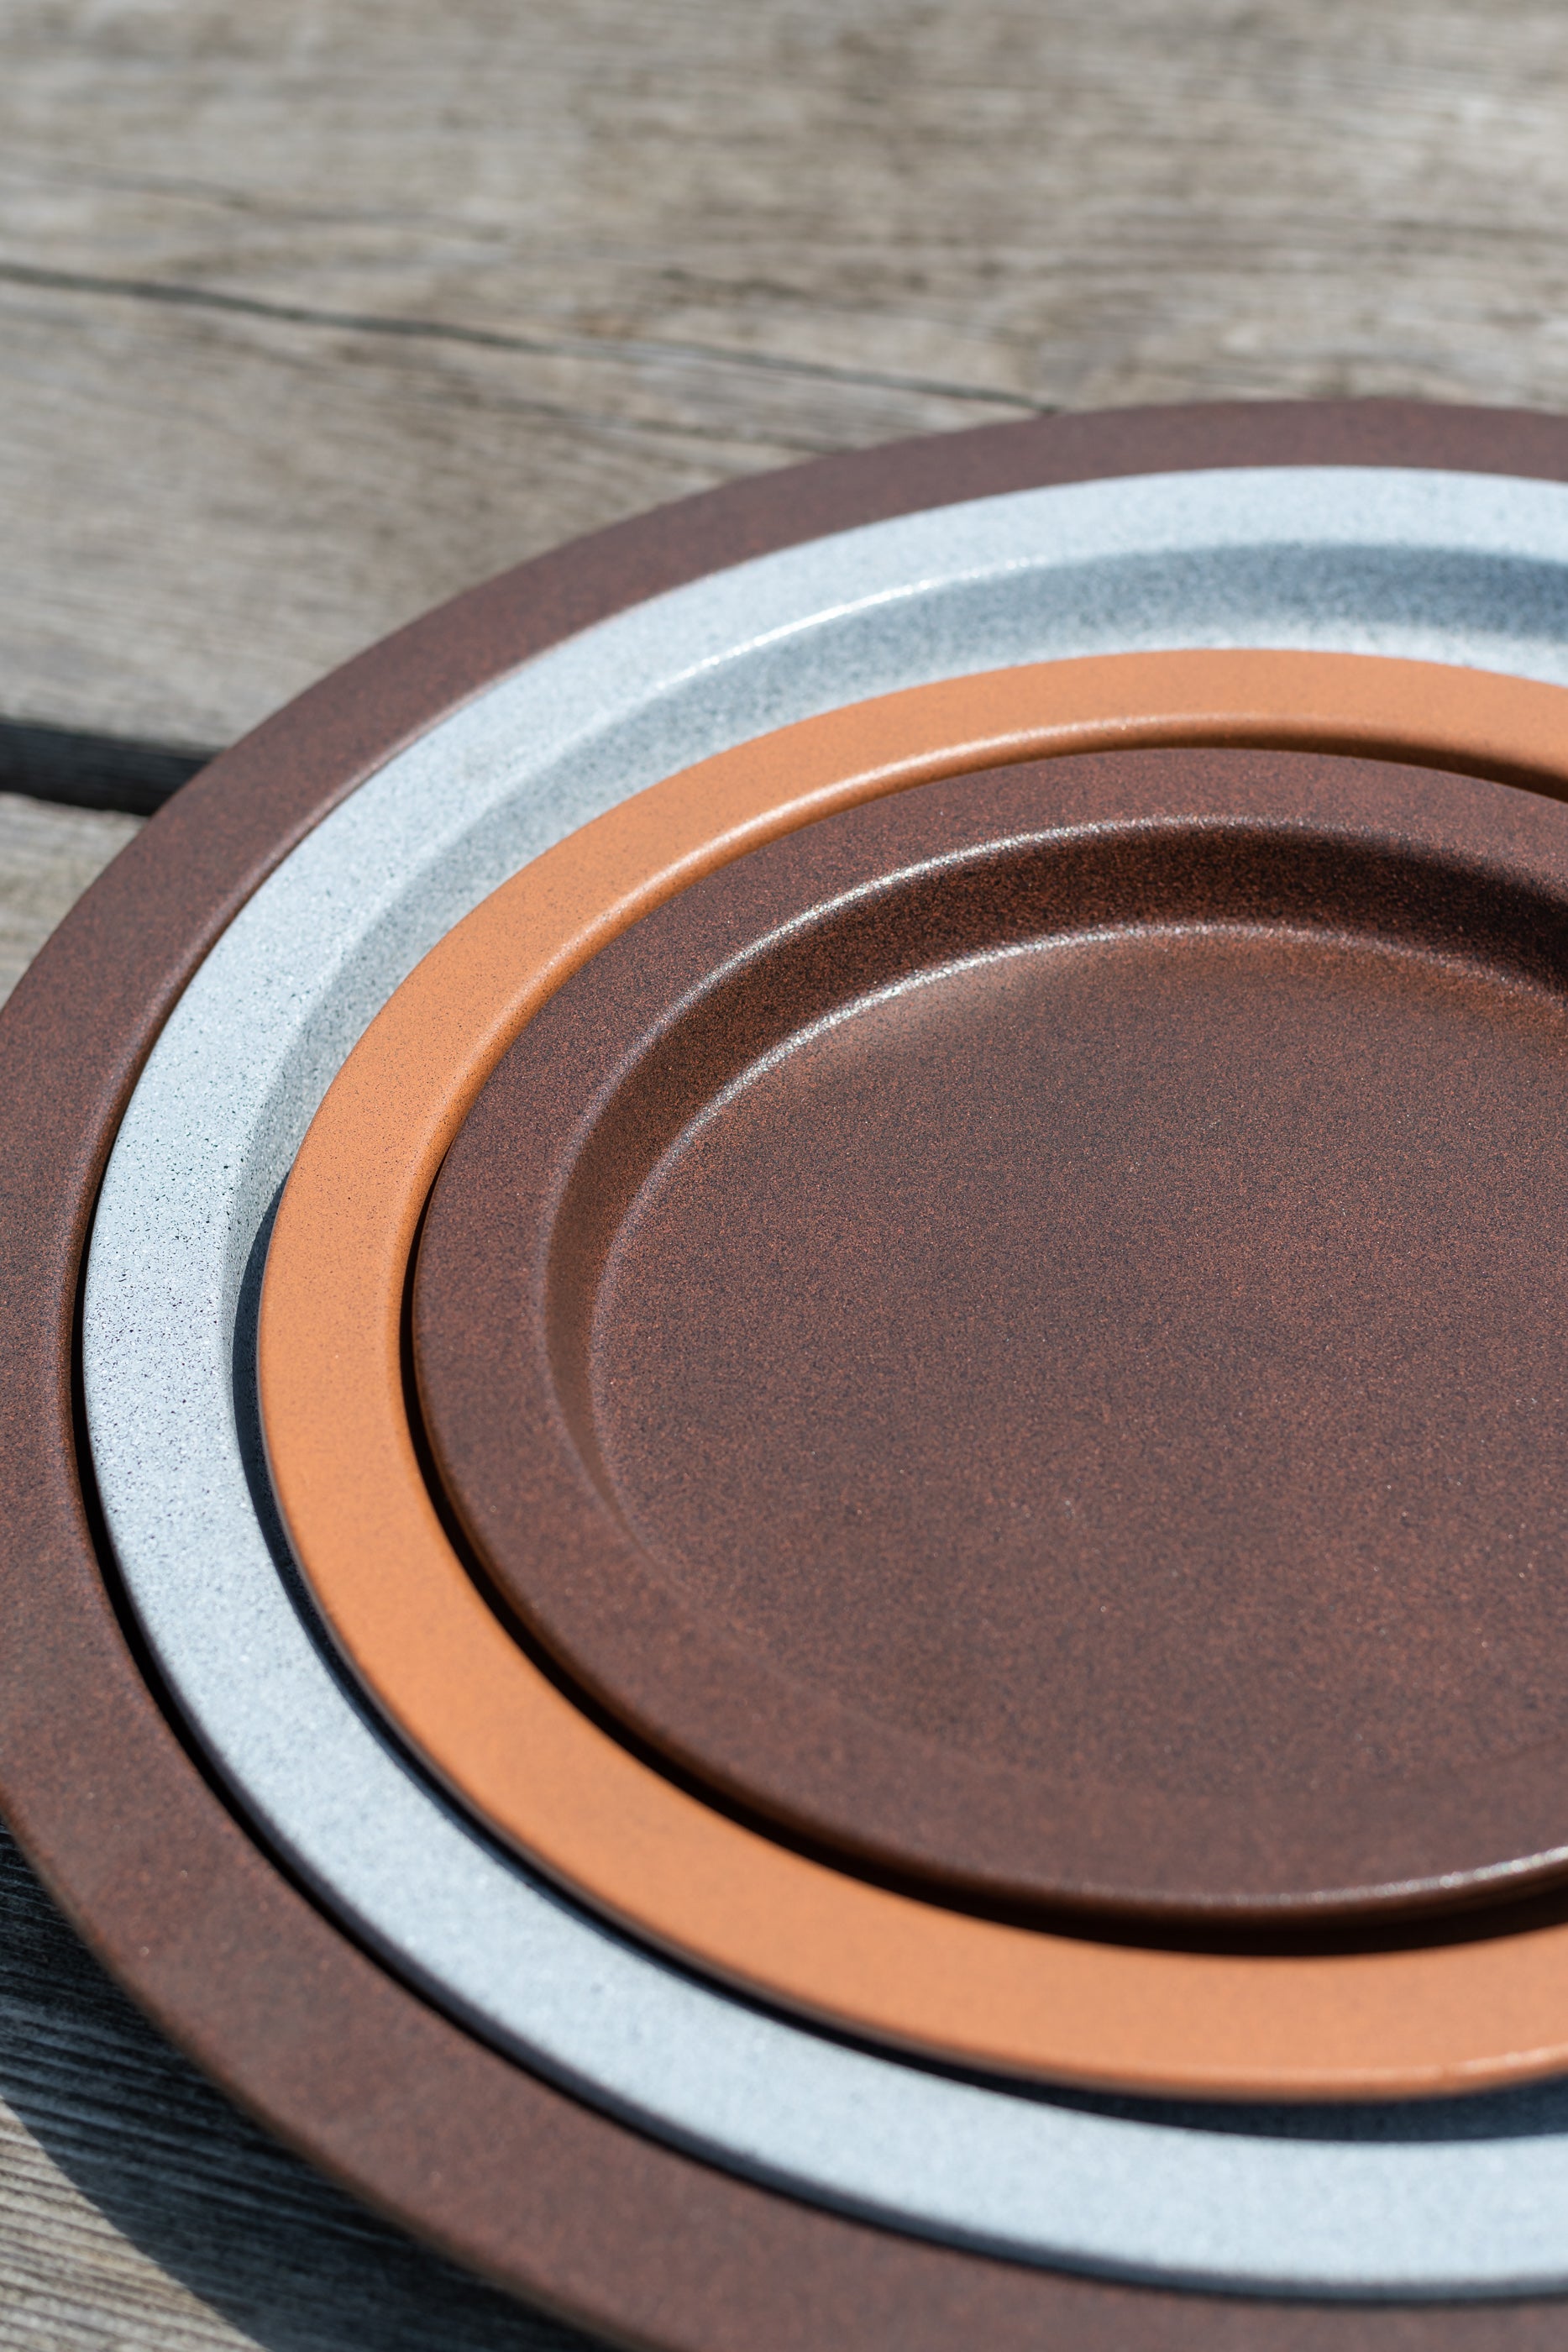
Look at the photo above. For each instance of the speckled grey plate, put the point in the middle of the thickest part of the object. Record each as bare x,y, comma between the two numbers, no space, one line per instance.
1436,566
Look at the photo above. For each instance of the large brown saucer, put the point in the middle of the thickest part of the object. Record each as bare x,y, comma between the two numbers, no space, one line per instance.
323,2045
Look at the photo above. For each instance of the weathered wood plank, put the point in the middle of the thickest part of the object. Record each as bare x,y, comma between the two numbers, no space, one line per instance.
48,857
311,314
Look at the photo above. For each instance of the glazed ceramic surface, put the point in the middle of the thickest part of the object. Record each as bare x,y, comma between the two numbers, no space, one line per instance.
256,1039
347,2065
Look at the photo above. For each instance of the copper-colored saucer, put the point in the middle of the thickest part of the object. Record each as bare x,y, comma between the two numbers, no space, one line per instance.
499,1729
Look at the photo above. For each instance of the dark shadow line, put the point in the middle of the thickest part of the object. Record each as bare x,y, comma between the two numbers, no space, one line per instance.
82,770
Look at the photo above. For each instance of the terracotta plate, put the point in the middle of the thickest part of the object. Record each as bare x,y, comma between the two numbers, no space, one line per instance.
348,2064
1019,1332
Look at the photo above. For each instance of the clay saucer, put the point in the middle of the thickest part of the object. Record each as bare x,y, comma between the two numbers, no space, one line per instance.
499,1729
339,2056
1018,1334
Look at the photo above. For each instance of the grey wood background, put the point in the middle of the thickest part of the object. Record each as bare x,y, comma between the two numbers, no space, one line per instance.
312,311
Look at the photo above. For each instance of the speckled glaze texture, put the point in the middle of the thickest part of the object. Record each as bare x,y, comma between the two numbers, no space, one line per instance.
1020,1331
328,2047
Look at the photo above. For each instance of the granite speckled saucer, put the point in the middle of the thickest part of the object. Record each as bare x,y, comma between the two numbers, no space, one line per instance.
624,2031
173,1888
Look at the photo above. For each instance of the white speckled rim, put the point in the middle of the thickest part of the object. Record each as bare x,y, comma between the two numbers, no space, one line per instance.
1469,569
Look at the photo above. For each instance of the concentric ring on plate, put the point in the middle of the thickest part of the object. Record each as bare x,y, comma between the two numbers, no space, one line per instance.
693,2257
500,1731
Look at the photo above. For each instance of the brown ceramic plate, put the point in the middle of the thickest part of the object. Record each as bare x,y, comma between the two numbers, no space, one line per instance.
351,2067
501,1732
1018,1332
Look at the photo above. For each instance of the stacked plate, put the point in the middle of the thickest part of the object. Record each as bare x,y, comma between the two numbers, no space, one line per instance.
786,1395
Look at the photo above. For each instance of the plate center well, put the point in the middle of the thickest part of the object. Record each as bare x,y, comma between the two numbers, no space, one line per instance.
1138,1358
1018,1333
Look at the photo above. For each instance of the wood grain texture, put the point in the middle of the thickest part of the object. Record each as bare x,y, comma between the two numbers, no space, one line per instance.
139,2210
48,857
314,311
